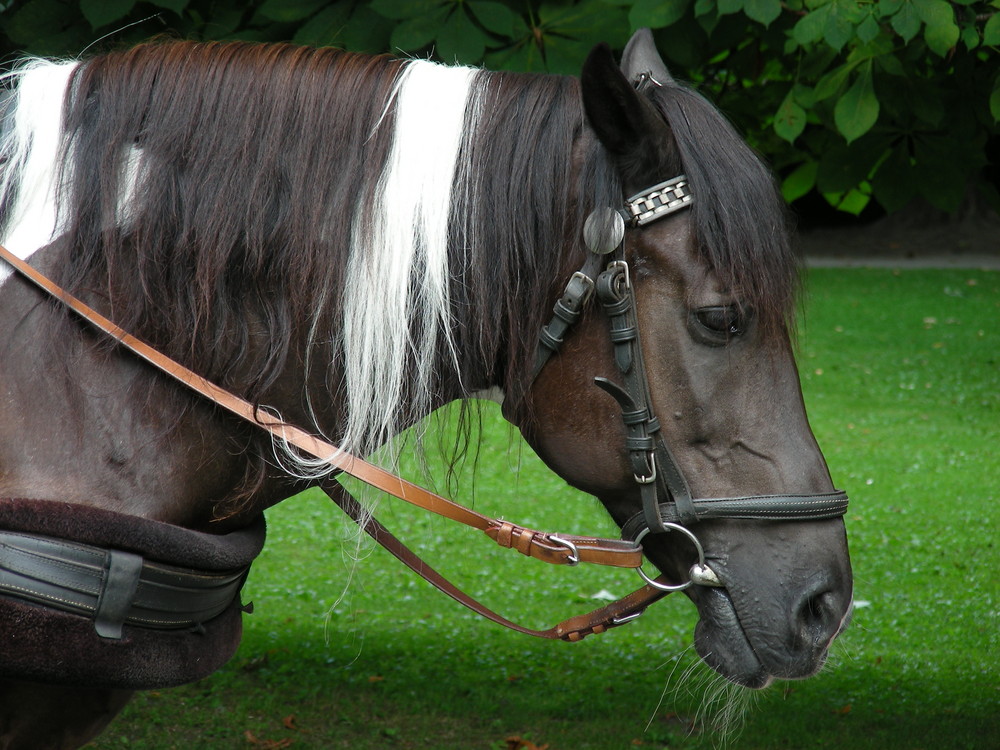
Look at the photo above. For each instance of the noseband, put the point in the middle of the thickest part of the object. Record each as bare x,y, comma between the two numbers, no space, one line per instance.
667,502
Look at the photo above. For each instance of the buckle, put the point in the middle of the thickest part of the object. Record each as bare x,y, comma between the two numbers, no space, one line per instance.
574,553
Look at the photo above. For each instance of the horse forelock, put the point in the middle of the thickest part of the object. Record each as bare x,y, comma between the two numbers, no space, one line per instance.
740,221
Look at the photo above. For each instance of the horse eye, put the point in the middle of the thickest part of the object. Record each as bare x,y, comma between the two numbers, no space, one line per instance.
725,320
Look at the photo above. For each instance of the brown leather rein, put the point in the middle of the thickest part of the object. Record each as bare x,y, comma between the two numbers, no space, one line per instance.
560,549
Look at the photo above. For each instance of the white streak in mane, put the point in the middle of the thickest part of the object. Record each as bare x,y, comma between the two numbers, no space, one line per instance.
30,152
398,268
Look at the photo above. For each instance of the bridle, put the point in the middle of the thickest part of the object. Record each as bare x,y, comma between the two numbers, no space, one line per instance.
667,503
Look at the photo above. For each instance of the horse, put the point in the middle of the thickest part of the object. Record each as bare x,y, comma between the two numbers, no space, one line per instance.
349,242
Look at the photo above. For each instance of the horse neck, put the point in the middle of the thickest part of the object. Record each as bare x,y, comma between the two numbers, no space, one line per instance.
86,424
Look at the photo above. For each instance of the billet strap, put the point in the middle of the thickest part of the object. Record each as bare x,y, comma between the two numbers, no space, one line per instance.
566,311
653,466
575,628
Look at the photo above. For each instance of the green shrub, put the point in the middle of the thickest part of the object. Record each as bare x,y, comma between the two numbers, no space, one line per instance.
853,100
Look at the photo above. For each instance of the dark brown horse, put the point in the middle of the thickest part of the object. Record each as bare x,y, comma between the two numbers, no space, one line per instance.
351,242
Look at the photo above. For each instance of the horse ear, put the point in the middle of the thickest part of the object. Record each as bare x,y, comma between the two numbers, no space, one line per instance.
641,57
624,120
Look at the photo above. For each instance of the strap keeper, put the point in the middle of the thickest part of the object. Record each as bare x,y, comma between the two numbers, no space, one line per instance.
549,341
566,314
121,579
639,416
624,335
523,543
505,534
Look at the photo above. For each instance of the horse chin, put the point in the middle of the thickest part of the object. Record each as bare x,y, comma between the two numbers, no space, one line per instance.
721,643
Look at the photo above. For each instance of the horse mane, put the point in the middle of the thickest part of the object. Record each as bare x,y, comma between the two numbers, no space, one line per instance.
225,202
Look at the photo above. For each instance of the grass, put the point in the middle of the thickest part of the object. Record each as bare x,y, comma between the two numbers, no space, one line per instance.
346,649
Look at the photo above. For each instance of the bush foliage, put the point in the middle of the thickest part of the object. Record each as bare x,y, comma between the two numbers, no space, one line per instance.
863,102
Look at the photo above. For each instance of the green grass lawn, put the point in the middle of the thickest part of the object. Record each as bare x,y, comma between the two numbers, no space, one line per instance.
347,649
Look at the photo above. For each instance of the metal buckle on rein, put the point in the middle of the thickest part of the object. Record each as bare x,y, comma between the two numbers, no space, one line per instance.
574,553
699,573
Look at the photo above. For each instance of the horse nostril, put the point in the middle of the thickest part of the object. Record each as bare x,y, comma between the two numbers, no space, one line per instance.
818,615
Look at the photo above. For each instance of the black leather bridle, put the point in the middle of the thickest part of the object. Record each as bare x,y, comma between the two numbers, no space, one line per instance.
667,502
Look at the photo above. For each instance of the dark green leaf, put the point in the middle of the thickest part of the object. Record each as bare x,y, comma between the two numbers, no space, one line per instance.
886,8
810,27
832,82
367,31
325,29
459,41
941,32
839,27
991,31
790,119
855,201
33,20
970,35
574,30
868,29
177,6
762,11
906,22
704,7
891,65
399,10
656,14
729,6
804,95
289,10
415,33
800,181
495,17
102,12
857,110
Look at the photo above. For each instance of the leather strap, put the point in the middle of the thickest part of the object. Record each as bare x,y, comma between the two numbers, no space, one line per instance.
653,465
575,628
567,310
760,508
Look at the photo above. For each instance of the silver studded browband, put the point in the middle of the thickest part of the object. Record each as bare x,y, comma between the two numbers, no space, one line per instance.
658,201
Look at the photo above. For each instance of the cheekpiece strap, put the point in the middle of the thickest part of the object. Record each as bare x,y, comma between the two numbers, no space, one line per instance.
659,201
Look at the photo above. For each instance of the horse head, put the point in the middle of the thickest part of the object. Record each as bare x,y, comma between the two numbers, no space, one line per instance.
713,286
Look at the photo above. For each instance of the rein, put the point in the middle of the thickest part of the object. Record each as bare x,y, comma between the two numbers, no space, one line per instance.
552,548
